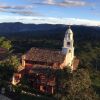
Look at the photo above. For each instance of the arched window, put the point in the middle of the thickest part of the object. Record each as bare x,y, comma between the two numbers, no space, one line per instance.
68,43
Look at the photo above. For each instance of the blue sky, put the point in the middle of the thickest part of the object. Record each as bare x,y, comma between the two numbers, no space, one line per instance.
20,10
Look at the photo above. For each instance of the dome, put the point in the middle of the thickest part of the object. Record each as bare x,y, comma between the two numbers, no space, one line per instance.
68,31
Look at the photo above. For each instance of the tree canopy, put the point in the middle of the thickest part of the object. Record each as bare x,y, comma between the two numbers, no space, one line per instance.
4,43
76,86
8,67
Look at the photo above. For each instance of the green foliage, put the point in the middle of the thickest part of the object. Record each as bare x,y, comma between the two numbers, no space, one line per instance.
5,43
18,89
88,54
76,86
8,67
6,72
12,61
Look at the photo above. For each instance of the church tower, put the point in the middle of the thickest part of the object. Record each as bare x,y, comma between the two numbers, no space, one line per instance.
68,48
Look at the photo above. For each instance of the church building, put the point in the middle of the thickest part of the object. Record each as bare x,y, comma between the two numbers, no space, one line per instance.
36,63
53,58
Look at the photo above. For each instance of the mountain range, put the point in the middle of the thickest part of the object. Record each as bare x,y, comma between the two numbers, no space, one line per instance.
54,31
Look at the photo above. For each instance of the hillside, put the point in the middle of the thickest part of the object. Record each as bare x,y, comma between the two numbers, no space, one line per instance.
48,31
20,27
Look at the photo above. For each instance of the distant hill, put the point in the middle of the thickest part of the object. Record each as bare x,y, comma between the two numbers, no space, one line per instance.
20,27
28,31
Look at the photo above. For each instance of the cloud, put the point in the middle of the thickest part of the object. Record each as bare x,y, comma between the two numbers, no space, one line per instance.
64,3
4,6
74,3
49,1
22,12
49,20
26,13
26,10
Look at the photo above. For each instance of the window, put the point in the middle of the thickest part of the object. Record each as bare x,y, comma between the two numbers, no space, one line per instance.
68,43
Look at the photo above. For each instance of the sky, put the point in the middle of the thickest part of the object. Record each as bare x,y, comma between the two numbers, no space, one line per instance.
51,11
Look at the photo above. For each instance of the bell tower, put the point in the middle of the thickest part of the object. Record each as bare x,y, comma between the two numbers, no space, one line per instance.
68,48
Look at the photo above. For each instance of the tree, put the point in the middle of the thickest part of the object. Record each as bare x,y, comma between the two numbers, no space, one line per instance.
8,67
5,43
77,86
12,61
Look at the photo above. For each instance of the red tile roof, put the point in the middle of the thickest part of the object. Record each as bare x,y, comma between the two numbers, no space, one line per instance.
45,55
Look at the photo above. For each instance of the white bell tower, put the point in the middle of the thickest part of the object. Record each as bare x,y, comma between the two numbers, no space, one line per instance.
68,48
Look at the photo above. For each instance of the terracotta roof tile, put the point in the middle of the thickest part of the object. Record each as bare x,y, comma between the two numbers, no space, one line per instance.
45,55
